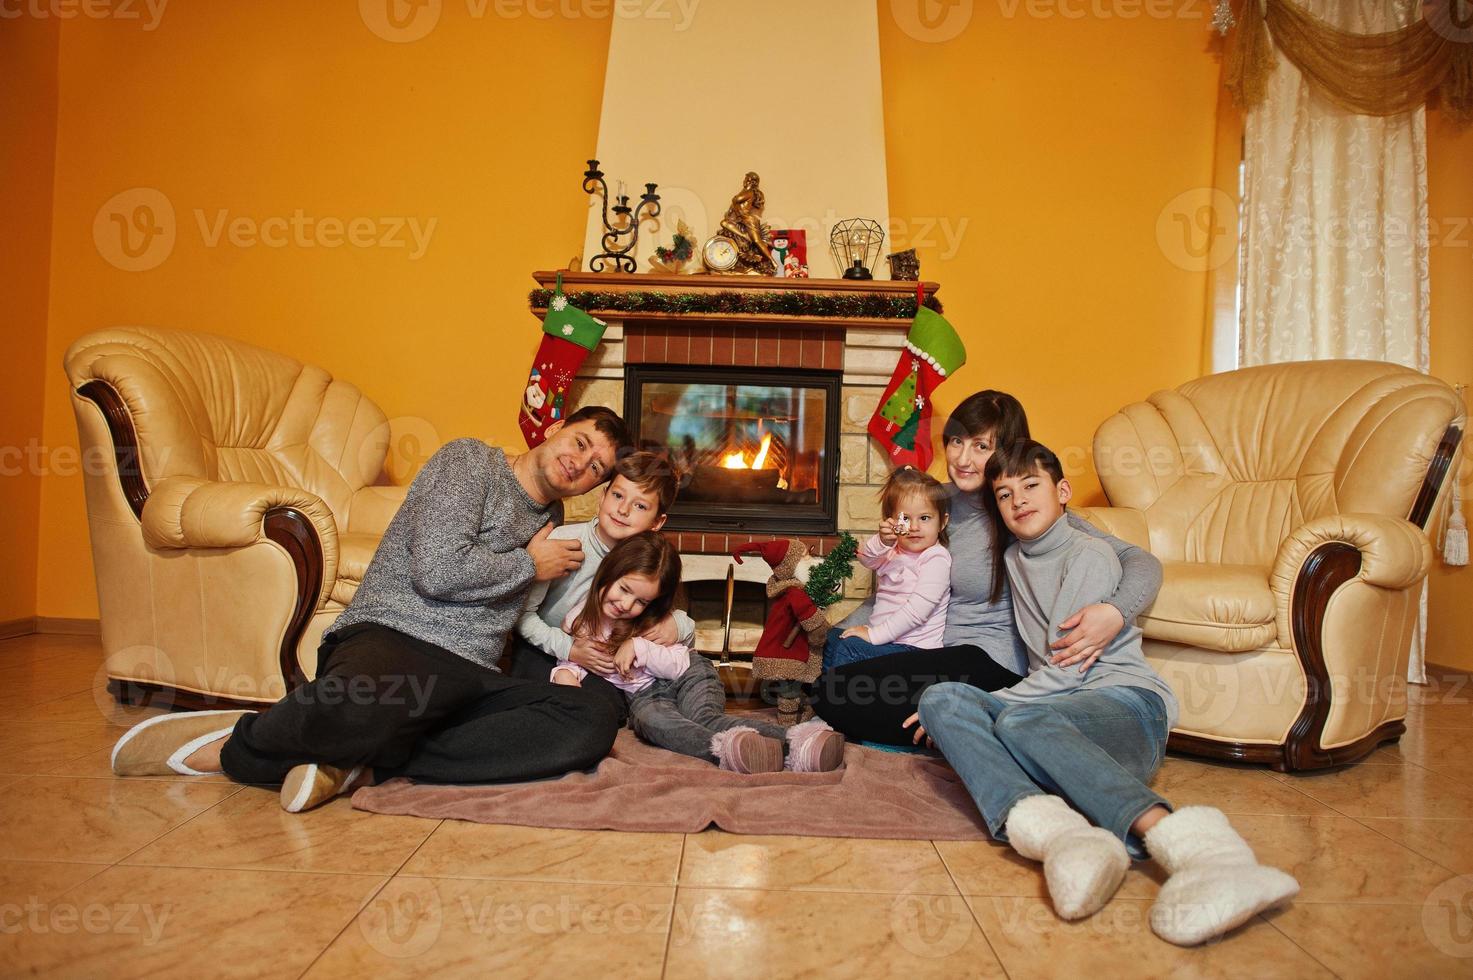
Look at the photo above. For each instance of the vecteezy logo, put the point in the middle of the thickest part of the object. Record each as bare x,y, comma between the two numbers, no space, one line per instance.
403,922
134,230
1194,230
400,21
1453,19
932,21
1447,917
929,924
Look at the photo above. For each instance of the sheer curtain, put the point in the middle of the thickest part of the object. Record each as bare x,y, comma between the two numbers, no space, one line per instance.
1335,225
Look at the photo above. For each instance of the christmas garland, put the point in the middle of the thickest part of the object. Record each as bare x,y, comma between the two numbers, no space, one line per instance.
826,577
828,306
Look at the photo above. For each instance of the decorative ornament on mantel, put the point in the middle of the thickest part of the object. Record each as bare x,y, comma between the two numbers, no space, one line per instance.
741,243
904,265
626,221
855,244
682,249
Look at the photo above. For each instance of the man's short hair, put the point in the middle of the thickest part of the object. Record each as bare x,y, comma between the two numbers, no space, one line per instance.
606,421
652,472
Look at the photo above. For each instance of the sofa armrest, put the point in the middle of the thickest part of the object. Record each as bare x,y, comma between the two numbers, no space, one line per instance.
189,512
1394,553
1126,523
1342,586
372,508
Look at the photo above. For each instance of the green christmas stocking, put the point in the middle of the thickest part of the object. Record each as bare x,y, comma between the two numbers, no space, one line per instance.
902,423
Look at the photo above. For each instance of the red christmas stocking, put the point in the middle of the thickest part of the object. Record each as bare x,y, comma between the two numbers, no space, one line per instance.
568,336
902,423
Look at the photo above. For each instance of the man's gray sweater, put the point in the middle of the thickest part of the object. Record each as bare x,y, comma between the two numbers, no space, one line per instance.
1053,576
452,568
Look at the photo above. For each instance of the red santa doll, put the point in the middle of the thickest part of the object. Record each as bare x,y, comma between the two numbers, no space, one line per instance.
790,652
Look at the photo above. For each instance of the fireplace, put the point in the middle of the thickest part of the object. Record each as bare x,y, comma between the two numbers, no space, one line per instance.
760,448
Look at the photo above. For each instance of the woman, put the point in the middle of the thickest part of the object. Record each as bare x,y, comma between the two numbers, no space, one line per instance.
872,700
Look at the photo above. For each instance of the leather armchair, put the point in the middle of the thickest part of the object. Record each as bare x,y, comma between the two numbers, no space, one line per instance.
232,506
1288,505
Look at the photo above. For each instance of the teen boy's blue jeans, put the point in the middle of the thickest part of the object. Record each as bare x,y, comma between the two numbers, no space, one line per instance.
1097,748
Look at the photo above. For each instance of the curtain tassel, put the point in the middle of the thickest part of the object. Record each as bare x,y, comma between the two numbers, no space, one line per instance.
1455,538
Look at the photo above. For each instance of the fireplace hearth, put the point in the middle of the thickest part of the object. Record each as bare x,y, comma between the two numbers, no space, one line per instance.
759,449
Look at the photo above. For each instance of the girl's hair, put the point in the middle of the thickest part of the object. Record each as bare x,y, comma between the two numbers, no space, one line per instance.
1021,458
647,554
908,482
994,413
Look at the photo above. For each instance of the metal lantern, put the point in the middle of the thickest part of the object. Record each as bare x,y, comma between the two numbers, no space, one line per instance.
855,245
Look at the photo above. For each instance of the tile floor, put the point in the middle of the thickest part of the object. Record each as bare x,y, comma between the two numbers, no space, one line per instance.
121,878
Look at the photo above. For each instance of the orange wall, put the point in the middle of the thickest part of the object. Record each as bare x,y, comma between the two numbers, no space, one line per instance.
1450,213
27,150
266,108
1049,147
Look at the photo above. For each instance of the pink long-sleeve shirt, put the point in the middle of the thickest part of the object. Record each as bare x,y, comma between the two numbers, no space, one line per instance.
912,591
652,662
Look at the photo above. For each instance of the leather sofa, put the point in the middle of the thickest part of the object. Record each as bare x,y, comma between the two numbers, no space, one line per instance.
1288,505
234,504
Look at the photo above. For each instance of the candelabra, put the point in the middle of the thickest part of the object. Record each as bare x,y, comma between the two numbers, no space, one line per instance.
626,221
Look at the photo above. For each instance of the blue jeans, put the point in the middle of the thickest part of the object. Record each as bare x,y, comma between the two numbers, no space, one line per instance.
1097,748
838,652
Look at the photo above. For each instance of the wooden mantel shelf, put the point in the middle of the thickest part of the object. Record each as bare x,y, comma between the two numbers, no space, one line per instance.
575,282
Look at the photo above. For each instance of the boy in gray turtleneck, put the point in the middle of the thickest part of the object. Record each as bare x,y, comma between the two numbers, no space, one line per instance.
1053,569
1059,762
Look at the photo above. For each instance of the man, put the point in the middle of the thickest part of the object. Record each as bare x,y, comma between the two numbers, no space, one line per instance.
415,653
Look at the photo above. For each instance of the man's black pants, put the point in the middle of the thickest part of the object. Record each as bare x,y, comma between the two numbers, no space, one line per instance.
405,707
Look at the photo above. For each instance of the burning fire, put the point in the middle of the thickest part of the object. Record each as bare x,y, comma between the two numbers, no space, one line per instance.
738,461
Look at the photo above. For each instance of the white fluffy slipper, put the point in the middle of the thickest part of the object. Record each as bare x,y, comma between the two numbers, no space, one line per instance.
1082,865
1216,883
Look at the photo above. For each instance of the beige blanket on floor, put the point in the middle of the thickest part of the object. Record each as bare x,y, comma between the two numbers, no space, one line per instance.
642,788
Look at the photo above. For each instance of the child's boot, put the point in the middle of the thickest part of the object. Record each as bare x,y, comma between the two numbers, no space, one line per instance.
745,750
1216,883
1083,865
814,746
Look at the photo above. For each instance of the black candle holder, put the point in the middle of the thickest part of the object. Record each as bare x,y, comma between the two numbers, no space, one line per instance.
626,221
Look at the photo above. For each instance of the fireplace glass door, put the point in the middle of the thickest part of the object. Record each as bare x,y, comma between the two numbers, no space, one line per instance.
759,447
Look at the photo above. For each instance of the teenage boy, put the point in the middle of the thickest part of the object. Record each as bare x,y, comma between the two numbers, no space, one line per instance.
636,500
417,648
1093,736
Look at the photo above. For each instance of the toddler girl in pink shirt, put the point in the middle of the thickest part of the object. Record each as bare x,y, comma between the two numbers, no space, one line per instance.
912,573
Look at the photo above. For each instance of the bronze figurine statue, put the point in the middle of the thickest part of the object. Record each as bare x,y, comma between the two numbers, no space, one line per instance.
743,224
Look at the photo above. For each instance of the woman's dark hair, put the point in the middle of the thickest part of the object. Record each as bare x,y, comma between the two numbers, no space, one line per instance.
647,554
1000,417
1021,458
994,413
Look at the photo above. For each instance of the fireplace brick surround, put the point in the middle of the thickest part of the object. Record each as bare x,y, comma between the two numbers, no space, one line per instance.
863,350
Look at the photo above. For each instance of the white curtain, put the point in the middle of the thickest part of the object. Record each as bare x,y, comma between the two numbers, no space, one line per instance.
1335,226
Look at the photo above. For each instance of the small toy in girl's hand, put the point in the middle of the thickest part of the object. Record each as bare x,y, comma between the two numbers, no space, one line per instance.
901,523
